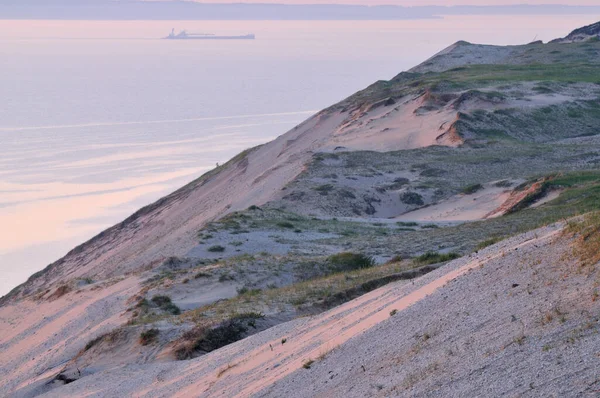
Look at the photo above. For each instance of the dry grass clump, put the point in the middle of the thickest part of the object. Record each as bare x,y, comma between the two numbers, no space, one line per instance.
59,292
587,238
324,291
204,339
110,338
435,258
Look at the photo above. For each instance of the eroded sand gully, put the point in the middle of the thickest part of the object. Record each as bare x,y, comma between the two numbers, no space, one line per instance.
250,373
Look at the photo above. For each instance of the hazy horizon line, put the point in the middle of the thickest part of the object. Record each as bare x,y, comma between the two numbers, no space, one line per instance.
191,10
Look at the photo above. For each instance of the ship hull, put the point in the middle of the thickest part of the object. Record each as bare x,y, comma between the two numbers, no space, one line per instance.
246,37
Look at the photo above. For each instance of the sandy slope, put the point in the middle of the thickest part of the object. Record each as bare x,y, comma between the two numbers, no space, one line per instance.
354,345
170,227
393,127
39,337
523,324
461,207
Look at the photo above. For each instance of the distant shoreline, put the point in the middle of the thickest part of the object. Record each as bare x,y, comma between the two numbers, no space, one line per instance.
180,10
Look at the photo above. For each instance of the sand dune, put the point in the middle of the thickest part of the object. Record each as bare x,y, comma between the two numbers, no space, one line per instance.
381,343
258,365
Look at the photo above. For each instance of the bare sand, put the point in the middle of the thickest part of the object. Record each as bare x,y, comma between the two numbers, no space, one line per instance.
254,366
461,207
33,342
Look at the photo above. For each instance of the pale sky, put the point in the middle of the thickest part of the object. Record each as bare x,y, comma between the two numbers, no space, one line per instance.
418,2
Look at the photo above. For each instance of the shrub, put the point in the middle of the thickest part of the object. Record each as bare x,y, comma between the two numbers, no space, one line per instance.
226,277
161,300
143,305
471,189
247,291
345,193
411,198
407,224
348,261
398,183
165,304
172,309
503,184
216,249
149,336
172,261
285,224
435,258
324,189
433,173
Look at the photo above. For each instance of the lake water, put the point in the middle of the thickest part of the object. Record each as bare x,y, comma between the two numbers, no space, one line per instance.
101,118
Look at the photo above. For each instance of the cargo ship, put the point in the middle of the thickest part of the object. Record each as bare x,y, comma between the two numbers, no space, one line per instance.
183,35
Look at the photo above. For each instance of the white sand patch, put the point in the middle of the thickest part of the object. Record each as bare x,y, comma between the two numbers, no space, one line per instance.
548,198
390,128
461,207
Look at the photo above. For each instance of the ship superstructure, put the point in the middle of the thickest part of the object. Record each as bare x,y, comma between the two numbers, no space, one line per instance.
184,35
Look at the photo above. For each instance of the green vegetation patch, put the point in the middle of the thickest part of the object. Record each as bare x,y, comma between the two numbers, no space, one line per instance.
324,189
216,249
165,304
285,224
349,261
411,198
485,74
471,189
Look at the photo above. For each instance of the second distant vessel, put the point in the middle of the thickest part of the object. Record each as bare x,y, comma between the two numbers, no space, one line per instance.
183,35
